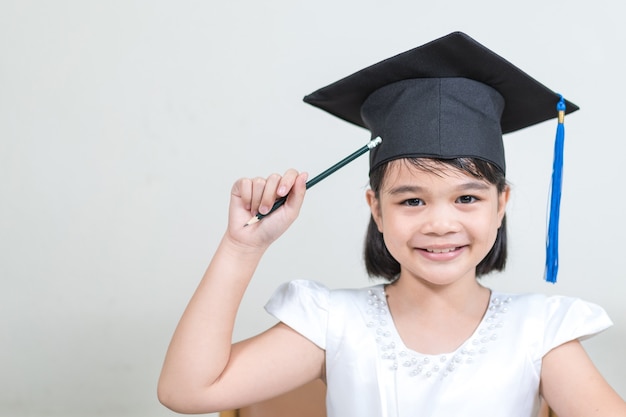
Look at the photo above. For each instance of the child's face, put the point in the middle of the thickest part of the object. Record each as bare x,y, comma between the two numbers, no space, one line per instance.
438,225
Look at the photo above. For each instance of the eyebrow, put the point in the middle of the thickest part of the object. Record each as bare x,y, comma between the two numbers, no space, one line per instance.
467,186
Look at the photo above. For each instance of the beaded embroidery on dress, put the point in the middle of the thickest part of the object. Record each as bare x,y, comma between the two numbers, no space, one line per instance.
399,358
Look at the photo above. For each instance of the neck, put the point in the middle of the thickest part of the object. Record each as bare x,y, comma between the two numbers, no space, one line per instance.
433,319
422,296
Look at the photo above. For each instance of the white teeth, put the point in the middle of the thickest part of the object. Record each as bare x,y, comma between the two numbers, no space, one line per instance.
440,250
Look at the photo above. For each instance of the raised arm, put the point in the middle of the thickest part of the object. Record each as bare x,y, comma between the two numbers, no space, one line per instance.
203,371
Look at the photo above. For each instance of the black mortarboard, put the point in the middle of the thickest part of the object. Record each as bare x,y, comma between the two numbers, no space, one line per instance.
448,98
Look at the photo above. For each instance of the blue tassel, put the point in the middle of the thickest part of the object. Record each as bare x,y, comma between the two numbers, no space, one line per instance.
552,240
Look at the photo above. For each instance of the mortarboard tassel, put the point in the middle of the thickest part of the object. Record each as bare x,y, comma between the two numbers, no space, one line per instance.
552,240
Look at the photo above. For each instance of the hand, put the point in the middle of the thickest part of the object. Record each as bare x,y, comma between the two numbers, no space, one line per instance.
250,196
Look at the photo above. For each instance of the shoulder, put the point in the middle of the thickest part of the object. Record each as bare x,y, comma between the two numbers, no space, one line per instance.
550,307
301,288
313,291
311,307
554,319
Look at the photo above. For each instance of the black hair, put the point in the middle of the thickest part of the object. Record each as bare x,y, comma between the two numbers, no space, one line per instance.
378,260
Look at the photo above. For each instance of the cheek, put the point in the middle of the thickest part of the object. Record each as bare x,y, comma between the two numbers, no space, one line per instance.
393,242
396,230
491,227
484,226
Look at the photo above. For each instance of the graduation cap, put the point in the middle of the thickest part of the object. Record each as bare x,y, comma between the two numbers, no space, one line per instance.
449,98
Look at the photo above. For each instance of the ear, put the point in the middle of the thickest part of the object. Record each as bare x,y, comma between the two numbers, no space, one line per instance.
374,204
503,199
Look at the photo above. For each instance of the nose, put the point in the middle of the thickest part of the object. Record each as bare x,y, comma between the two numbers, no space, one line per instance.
440,220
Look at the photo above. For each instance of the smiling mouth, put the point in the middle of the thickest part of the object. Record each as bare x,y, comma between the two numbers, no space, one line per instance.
447,250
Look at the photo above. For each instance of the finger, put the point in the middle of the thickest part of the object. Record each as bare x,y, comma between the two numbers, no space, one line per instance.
269,195
242,190
258,186
286,182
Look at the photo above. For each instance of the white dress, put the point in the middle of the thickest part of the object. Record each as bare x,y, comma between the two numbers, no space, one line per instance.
370,373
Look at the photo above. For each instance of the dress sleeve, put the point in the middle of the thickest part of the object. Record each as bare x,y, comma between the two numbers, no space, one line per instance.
567,319
303,306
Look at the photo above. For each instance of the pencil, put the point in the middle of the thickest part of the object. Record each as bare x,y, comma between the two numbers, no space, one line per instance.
345,161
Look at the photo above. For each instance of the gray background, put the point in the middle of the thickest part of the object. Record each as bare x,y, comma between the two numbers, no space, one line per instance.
123,125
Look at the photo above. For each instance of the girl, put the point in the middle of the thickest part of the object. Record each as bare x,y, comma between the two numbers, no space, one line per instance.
432,341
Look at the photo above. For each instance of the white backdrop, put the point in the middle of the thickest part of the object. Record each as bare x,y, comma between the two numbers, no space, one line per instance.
123,125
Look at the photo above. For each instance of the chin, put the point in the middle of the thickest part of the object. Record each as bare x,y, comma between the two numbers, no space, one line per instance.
441,278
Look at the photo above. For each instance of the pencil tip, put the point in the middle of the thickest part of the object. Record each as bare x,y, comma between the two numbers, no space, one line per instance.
252,221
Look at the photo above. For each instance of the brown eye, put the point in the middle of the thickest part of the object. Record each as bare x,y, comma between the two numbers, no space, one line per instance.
413,202
466,199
